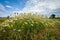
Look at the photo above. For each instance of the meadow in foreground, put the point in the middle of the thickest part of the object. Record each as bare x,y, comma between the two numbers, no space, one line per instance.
30,27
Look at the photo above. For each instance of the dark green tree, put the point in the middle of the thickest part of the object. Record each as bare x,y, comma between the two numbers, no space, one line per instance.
8,17
52,16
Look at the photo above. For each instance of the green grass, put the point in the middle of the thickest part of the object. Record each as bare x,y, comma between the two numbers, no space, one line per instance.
2,19
30,27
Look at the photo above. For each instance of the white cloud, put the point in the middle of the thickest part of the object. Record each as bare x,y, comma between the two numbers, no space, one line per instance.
8,6
17,8
41,6
2,7
3,14
2,11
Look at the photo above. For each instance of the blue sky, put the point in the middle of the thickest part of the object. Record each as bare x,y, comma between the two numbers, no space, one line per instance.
13,3
45,7
8,6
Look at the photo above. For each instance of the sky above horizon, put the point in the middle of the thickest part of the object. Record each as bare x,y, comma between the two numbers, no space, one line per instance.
45,7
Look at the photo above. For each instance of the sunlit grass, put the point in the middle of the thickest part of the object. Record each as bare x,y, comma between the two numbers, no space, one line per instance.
30,27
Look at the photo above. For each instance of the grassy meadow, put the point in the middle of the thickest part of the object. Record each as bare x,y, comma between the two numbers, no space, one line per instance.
30,27
2,19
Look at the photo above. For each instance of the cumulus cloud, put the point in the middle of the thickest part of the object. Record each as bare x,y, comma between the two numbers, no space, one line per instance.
41,6
2,7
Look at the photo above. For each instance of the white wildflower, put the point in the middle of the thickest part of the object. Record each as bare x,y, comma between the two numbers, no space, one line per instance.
25,22
11,21
42,22
14,29
32,21
31,24
36,22
15,19
19,30
4,31
46,24
7,20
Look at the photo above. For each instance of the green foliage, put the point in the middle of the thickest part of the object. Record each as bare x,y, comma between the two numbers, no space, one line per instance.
52,16
30,27
2,19
8,17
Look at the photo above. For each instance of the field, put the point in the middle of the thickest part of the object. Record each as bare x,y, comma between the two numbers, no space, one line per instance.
30,27
2,19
